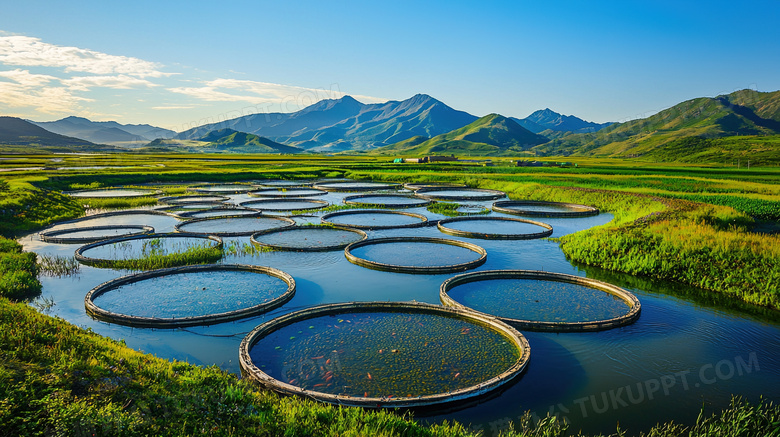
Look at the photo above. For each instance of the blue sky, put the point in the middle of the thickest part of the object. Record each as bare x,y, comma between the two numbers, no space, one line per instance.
179,64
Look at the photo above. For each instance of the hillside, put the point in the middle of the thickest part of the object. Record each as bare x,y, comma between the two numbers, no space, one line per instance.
221,141
346,124
490,135
106,132
17,135
740,113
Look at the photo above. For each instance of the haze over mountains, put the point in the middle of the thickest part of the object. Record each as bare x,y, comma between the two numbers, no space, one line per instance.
106,132
702,128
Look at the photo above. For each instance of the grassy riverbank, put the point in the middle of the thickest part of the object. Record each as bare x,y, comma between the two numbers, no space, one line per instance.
58,379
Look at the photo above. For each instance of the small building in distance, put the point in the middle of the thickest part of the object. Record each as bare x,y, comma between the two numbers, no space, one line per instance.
426,159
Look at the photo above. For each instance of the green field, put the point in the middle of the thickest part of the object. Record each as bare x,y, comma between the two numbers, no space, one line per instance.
685,223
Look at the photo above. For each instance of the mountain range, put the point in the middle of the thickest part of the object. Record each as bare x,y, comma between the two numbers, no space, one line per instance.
490,135
220,141
106,132
743,123
20,135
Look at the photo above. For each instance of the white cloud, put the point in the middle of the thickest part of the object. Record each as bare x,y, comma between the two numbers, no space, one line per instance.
43,99
288,97
32,52
122,82
25,78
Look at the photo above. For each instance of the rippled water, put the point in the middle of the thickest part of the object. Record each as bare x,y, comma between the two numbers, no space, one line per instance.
537,300
232,225
372,218
309,237
415,254
503,227
192,294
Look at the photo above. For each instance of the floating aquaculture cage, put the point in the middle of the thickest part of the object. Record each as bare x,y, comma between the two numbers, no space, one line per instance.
387,201
413,186
179,208
425,255
308,238
509,279
92,234
114,192
375,219
287,192
285,204
222,189
420,366
199,198
448,193
234,226
222,211
282,184
152,241
495,228
355,186
123,212
199,291
539,208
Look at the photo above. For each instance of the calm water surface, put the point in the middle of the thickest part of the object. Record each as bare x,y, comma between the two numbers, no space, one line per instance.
687,349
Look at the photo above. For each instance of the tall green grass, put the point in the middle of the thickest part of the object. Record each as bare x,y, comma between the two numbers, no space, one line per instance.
18,271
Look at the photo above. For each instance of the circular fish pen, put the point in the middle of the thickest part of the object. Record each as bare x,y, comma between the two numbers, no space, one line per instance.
354,186
287,192
446,193
308,238
285,204
112,192
222,189
200,198
188,296
92,234
375,219
422,255
146,252
414,186
233,226
384,355
219,212
386,201
542,301
116,214
539,208
283,184
180,208
495,228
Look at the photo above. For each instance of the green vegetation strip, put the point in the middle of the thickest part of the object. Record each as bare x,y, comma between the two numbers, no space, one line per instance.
442,225
159,322
388,201
154,260
635,307
450,209
252,372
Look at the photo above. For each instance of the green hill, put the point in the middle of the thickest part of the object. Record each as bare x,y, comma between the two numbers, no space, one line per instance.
741,113
221,141
490,135
20,136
